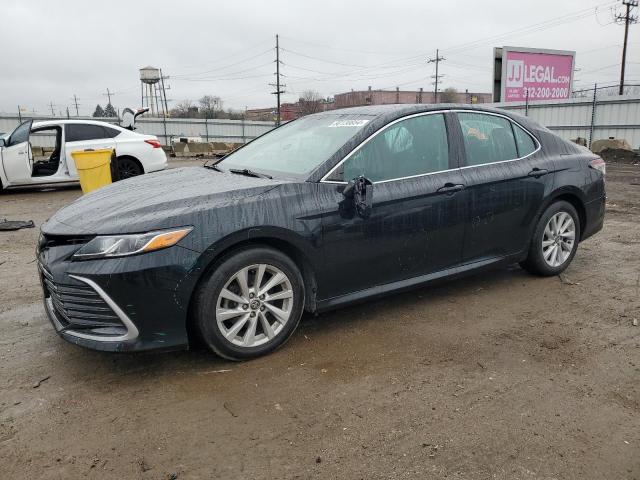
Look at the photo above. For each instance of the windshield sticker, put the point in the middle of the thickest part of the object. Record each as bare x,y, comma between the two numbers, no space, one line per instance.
349,123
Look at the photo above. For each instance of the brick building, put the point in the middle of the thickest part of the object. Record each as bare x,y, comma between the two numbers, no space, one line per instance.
291,111
383,97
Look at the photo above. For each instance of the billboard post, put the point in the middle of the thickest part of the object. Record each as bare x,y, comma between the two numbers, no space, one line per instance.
529,74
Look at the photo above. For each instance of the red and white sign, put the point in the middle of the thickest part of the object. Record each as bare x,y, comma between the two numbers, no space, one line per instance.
538,75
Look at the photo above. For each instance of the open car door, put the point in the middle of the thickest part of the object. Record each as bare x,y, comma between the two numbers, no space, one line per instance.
16,155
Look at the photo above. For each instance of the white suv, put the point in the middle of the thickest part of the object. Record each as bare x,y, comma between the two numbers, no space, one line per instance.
38,153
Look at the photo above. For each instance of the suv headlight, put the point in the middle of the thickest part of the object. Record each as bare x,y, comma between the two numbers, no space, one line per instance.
108,246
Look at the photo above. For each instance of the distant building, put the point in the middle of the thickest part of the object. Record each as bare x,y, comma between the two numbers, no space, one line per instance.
383,97
261,114
291,111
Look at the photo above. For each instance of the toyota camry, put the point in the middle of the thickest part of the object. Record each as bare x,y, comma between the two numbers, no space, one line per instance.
327,210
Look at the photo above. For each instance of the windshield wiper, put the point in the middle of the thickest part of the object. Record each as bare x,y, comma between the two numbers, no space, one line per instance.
249,173
213,167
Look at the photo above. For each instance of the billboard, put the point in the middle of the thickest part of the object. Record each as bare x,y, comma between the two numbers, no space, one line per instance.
529,74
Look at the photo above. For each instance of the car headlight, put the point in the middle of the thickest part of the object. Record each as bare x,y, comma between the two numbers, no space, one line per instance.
108,246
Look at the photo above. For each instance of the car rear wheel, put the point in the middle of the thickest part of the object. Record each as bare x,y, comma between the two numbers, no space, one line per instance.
128,167
555,240
250,304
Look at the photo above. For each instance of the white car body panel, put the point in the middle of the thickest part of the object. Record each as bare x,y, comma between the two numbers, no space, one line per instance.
16,161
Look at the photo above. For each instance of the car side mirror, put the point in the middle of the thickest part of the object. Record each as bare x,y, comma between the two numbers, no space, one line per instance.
2,142
360,191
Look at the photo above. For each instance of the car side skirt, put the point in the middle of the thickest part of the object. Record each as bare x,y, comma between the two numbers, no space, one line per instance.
422,280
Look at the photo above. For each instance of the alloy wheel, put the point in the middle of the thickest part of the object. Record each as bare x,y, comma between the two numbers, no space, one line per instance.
558,239
127,168
254,305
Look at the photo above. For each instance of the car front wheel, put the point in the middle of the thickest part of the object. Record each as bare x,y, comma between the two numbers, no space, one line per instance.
250,303
555,240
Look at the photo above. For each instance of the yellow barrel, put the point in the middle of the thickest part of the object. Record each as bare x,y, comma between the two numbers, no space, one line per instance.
94,168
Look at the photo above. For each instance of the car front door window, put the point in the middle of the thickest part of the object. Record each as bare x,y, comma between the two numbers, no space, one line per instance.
410,147
20,134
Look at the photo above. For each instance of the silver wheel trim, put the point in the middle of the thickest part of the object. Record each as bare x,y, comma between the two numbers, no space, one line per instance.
558,239
254,305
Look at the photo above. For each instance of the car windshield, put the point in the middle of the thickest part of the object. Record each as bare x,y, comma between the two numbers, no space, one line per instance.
297,148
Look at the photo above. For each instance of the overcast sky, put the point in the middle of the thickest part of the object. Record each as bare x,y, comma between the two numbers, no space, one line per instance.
55,49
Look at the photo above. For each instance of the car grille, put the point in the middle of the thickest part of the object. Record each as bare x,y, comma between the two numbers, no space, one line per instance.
46,241
79,307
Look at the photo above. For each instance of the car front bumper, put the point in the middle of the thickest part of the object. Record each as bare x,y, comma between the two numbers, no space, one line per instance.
126,304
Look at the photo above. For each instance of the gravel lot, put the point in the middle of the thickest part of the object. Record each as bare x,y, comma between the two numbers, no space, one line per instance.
500,375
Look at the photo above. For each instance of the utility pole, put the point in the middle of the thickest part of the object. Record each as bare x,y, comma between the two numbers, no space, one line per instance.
108,94
437,61
628,19
278,85
67,113
51,105
75,100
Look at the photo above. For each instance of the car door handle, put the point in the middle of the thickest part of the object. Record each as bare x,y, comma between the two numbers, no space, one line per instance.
450,188
537,172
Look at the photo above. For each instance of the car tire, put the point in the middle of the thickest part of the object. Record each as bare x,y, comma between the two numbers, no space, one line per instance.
230,317
555,240
128,167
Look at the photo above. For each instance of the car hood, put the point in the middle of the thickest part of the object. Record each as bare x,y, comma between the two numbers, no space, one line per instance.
153,201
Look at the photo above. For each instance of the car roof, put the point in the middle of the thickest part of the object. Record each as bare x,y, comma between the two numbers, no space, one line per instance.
389,112
45,123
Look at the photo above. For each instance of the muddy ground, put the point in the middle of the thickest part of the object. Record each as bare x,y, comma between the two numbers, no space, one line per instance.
500,375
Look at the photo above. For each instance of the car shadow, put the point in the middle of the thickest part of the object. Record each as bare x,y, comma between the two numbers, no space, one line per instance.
88,363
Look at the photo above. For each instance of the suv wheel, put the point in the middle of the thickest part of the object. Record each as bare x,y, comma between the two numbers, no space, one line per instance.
555,240
250,304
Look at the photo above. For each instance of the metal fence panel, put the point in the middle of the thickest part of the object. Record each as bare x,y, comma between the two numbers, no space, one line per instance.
614,116
211,130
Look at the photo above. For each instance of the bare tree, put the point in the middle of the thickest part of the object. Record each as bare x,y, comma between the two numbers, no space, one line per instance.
310,102
448,95
210,106
184,109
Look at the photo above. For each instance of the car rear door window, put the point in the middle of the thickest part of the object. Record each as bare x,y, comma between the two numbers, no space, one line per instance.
111,132
411,147
78,132
526,145
487,138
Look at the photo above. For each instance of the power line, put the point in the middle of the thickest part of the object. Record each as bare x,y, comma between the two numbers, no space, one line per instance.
226,57
536,27
229,75
217,69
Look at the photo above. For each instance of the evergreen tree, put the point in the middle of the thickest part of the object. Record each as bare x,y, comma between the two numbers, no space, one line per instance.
99,112
109,111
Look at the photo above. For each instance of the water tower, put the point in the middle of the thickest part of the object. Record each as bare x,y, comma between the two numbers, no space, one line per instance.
152,88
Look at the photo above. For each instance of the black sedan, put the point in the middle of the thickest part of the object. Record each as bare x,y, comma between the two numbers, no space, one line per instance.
324,211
